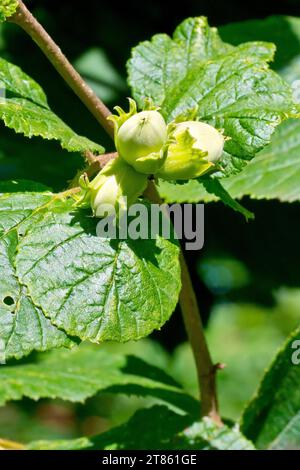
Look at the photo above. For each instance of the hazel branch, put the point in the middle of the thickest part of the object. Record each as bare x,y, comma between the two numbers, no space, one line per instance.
206,369
29,23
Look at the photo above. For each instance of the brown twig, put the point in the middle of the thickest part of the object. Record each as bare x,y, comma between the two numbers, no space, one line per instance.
97,162
90,157
206,369
27,21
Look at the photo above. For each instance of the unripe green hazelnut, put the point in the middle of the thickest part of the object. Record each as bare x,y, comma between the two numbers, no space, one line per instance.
208,138
195,149
115,188
140,141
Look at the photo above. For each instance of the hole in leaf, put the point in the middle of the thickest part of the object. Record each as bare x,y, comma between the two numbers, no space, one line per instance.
8,300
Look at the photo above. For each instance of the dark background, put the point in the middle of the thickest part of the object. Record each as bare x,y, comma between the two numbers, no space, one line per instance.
268,248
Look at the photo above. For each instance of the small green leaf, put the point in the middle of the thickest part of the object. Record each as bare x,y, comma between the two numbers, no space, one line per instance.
17,186
204,189
206,435
144,431
98,289
101,75
14,80
272,418
24,108
156,65
275,172
232,88
23,327
83,372
7,8
82,443
28,118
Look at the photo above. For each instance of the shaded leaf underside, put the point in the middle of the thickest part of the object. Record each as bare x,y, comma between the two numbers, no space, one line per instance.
86,370
144,431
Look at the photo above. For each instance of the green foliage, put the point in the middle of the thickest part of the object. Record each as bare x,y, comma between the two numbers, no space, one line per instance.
206,435
212,185
7,8
26,111
100,74
82,443
13,186
174,434
274,173
229,87
61,283
14,80
23,325
64,374
272,417
31,120
20,158
56,266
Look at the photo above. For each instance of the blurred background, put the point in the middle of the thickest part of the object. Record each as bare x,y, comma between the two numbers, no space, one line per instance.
247,277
